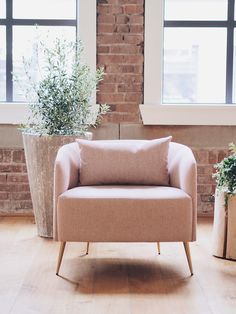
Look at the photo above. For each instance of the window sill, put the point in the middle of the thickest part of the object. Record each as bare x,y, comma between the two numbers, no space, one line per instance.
188,114
14,113
18,113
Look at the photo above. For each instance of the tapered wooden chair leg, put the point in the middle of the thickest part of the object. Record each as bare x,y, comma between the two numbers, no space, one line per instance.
87,249
60,256
188,255
158,248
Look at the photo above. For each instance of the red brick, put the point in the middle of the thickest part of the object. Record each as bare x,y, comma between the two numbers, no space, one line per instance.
123,78
5,155
125,49
123,28
135,97
24,168
136,19
111,1
23,196
201,156
103,49
128,108
117,9
110,38
205,188
18,156
104,9
205,179
207,198
5,188
128,68
222,154
122,19
213,157
17,178
106,28
133,39
130,87
133,9
3,178
110,98
17,187
132,68
5,206
130,1
205,169
107,88
137,28
123,117
111,59
206,207
4,196
110,19
21,204
123,68
110,9
10,168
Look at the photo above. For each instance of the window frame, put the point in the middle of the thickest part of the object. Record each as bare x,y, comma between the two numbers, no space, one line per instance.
153,112
17,112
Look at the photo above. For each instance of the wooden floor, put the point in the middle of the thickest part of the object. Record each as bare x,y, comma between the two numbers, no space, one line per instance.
113,278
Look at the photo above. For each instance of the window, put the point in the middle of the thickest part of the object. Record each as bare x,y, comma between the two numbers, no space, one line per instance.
17,30
18,27
189,70
198,39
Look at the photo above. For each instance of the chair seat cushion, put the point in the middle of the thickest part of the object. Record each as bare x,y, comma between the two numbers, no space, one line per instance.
128,213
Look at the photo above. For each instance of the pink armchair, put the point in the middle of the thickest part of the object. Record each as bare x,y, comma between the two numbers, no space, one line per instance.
125,213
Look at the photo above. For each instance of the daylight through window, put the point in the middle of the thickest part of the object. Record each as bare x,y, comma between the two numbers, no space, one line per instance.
199,52
18,34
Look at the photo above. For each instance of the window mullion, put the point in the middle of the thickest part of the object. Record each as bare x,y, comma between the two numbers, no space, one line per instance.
9,61
230,52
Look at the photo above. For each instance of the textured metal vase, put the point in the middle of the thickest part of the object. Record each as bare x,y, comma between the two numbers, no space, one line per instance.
40,152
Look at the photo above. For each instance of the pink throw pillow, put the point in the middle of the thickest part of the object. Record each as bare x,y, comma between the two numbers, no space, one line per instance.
124,162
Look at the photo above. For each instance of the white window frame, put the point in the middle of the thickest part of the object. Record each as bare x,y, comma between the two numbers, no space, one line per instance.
17,113
153,112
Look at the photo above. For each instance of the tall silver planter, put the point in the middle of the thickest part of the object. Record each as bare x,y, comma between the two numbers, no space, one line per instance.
40,152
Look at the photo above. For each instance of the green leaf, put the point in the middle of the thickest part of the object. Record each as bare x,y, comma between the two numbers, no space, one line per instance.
60,100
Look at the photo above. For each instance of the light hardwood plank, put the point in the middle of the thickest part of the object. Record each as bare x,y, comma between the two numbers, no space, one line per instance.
116,278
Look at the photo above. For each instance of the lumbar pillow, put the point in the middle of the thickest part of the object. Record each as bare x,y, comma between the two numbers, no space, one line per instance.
124,162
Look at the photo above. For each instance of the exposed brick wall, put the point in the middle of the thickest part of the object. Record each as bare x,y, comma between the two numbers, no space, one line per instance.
120,37
14,186
206,158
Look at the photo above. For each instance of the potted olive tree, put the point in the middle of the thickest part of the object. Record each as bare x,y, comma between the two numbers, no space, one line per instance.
59,96
224,229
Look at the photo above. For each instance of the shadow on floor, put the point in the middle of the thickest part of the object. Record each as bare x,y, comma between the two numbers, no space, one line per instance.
121,276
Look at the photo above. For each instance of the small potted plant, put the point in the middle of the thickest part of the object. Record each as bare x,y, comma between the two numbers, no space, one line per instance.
59,95
224,229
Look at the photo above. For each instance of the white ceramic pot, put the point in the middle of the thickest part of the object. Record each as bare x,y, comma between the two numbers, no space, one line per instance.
224,228
40,152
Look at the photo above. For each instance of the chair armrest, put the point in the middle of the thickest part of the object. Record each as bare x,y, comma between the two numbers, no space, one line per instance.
66,175
183,175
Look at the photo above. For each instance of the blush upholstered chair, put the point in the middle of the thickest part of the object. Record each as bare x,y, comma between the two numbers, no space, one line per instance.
125,212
